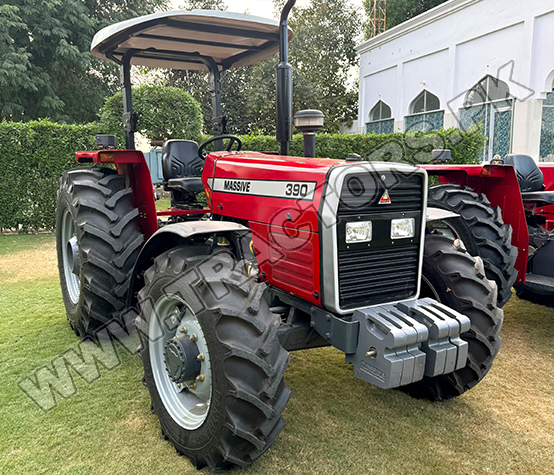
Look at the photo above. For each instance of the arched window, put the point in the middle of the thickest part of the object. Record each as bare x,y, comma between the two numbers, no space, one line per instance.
425,113
380,112
489,104
380,119
425,102
489,89
547,128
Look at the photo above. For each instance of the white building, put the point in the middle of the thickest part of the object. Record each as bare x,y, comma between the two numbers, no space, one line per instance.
466,61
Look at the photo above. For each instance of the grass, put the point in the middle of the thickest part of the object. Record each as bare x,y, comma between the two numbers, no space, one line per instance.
335,423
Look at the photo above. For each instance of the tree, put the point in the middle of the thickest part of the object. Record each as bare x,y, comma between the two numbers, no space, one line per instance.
164,113
399,11
322,56
46,69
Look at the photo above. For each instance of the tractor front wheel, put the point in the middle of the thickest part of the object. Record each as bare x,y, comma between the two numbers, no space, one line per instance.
212,361
98,240
456,279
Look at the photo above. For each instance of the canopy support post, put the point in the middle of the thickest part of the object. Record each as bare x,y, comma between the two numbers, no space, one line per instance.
129,117
218,121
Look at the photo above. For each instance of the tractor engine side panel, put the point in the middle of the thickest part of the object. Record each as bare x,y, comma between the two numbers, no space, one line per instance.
279,197
288,259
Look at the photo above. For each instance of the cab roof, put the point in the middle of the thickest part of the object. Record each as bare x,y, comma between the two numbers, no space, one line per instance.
180,39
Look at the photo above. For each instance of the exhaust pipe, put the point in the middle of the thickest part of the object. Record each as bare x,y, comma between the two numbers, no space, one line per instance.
284,84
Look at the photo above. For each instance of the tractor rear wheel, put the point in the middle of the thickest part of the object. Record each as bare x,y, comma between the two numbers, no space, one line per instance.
98,241
456,279
482,231
212,361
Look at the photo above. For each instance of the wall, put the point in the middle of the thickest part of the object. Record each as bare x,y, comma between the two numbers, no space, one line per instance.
450,48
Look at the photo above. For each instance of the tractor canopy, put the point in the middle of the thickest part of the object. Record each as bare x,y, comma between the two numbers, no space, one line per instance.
186,39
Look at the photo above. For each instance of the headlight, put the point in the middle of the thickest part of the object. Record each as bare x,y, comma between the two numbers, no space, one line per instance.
358,231
402,228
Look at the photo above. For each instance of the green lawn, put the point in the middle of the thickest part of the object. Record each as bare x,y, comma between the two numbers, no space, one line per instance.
336,423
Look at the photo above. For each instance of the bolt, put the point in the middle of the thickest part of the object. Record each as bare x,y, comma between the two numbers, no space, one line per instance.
372,353
328,317
200,357
194,337
200,378
312,324
179,385
183,330
328,336
192,386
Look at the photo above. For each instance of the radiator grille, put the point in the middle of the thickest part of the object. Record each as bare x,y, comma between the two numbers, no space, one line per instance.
361,193
368,277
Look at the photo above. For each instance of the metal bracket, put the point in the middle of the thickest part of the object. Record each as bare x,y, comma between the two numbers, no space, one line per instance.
342,333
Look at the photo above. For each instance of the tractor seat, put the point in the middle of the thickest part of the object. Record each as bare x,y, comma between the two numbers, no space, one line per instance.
181,166
190,185
530,179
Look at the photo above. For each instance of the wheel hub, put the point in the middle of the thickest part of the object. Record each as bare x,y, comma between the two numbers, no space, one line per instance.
73,255
181,359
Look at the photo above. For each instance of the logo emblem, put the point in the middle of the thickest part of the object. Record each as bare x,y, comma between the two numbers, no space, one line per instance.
385,199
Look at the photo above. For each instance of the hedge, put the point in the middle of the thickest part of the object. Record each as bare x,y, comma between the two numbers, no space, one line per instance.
33,156
412,147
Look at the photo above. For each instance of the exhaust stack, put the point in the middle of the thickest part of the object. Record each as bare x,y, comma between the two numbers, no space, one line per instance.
284,84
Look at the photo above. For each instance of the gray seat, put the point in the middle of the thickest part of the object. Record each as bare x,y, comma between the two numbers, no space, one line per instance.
191,185
181,166
530,179
182,169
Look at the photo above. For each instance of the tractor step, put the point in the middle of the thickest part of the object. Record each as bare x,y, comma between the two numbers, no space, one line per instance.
400,344
542,284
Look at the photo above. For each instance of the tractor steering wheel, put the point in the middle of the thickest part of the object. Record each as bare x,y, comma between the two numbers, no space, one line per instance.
232,139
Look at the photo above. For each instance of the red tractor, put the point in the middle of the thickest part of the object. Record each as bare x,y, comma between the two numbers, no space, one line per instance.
290,253
506,216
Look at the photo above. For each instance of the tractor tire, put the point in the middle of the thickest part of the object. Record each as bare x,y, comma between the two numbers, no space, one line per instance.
98,241
456,279
231,412
541,295
482,231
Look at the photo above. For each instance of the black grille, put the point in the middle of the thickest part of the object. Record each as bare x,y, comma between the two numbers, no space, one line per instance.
373,276
362,192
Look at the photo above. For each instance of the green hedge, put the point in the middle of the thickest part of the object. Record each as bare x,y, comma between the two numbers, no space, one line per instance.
33,156
413,147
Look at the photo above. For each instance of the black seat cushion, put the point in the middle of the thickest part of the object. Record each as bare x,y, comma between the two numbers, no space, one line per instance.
180,160
540,198
529,175
191,185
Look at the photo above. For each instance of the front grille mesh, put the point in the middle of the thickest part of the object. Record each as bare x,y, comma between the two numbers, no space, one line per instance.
361,193
372,276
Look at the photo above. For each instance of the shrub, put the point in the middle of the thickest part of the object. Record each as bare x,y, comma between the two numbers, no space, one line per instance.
33,156
163,113
411,147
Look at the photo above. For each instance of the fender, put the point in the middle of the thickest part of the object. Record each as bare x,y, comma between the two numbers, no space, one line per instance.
171,236
438,214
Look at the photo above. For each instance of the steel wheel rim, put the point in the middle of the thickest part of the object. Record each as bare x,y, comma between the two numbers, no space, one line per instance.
72,281
187,407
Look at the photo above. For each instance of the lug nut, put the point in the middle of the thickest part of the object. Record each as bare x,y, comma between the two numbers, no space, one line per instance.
192,386
194,337
201,357
178,385
200,378
183,330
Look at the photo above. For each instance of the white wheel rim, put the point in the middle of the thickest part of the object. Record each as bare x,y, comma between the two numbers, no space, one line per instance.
187,407
72,281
